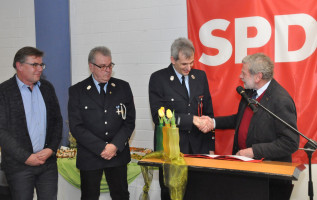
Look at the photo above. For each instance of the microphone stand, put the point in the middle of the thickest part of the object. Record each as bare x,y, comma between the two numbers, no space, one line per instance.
310,147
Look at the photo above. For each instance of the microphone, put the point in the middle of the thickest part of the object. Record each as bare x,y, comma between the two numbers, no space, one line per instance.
241,91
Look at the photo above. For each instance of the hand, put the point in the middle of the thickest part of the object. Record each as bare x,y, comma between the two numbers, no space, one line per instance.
246,152
109,152
33,160
208,124
203,123
44,154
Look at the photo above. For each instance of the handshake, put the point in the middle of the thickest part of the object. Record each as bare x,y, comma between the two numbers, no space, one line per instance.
204,123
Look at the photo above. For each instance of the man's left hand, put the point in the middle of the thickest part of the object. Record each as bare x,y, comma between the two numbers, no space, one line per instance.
109,152
246,152
44,154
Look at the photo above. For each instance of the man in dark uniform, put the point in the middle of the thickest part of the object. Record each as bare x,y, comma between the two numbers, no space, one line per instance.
102,118
185,91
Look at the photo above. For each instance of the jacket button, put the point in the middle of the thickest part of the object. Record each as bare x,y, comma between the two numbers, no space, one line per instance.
106,133
188,113
105,111
106,122
86,107
189,104
188,131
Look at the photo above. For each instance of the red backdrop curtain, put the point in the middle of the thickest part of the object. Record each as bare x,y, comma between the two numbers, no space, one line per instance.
224,31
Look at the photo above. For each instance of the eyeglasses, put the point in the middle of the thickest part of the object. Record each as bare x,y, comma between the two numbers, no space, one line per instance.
36,65
110,66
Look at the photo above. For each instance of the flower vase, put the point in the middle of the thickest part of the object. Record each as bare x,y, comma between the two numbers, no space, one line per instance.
159,138
165,139
173,142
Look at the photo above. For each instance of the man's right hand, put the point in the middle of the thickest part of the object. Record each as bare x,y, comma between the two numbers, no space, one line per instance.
204,123
33,160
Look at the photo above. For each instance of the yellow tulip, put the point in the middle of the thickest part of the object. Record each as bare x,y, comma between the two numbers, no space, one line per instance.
169,114
161,112
163,109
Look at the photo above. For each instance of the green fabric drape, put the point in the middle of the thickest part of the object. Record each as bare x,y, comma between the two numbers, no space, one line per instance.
67,168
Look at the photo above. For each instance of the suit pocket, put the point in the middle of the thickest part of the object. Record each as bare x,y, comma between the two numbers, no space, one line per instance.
174,103
90,113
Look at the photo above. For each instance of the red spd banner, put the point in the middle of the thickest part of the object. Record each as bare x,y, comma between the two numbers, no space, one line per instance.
225,31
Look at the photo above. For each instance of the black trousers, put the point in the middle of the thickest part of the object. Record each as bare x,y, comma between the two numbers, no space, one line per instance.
44,178
116,178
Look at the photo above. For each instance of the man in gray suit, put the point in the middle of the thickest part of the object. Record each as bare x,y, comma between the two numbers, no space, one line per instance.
259,135
30,128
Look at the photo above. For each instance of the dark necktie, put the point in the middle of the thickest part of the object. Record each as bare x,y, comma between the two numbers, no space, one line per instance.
184,85
254,94
102,91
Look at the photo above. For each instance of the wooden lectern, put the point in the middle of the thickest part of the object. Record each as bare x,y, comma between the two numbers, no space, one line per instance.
233,180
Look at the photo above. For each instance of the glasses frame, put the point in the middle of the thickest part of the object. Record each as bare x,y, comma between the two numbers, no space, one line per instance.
35,65
110,66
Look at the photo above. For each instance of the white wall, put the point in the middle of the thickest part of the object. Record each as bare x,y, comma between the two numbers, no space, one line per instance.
139,33
17,29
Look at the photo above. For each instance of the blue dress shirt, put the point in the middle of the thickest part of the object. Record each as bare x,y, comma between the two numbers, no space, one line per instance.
35,113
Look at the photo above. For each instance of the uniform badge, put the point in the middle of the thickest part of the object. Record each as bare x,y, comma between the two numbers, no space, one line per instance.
88,87
193,77
172,78
113,85
122,110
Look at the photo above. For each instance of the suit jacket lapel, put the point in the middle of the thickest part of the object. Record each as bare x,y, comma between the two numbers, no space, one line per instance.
91,91
111,90
18,103
175,83
193,84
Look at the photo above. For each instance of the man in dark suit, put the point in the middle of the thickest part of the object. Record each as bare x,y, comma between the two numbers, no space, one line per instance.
185,91
102,118
30,128
259,135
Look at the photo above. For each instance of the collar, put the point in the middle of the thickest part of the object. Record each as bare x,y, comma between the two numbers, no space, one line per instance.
179,76
96,82
262,89
23,85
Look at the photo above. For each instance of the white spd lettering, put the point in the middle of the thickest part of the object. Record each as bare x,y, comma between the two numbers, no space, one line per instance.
264,33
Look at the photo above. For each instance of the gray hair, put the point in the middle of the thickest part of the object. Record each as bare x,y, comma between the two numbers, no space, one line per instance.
260,62
183,45
101,49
